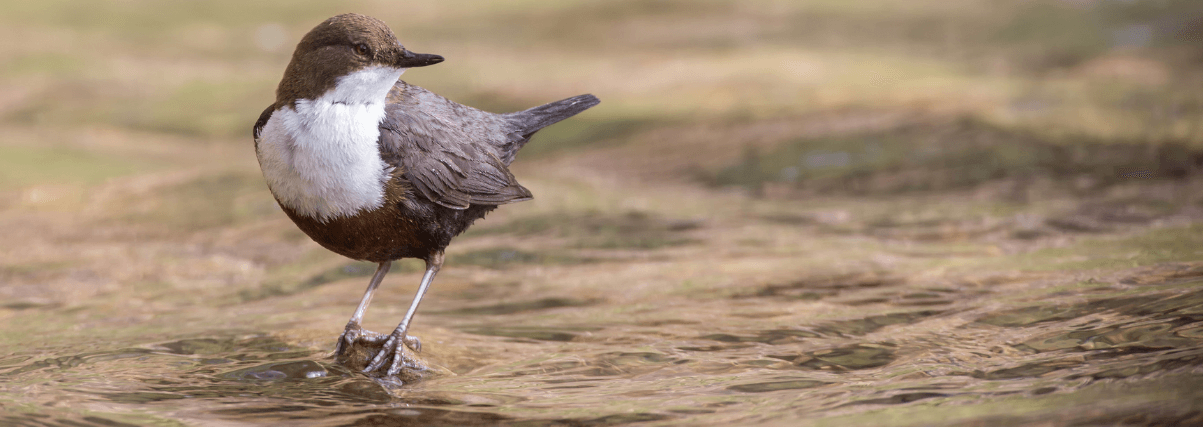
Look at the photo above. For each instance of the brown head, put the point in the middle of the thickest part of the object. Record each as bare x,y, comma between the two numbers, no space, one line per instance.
338,47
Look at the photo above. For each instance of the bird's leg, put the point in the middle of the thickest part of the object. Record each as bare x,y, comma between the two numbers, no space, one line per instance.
392,348
354,331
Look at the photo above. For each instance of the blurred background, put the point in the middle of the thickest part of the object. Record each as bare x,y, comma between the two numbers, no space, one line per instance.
784,162
778,98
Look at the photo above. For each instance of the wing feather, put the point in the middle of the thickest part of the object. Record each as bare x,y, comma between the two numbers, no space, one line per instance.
449,152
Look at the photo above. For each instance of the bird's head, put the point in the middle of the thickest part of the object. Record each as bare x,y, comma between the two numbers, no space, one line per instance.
356,56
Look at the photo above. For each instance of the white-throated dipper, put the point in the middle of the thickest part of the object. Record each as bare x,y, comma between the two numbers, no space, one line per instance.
376,169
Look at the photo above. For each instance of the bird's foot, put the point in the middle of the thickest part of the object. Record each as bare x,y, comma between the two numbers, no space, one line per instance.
357,344
394,356
380,354
357,334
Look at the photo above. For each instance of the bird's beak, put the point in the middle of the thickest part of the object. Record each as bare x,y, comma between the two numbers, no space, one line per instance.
407,59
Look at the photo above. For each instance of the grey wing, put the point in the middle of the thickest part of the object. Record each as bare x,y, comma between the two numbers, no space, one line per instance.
446,156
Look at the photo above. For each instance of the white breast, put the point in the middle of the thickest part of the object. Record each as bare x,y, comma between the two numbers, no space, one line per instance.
321,158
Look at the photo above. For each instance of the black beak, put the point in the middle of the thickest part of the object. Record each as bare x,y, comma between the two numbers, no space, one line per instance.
407,59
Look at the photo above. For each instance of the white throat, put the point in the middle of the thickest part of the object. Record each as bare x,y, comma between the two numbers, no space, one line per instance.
321,158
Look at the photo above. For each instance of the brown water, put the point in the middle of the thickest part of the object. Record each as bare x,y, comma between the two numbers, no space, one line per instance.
865,348
845,213
190,299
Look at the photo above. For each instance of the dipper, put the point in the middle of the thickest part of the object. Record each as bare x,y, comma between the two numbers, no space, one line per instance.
377,169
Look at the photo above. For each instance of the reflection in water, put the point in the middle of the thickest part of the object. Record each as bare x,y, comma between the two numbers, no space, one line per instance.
1140,344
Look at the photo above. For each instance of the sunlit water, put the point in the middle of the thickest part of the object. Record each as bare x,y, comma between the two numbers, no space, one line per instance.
1128,351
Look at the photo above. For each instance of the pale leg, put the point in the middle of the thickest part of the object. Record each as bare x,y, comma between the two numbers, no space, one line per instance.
392,347
354,330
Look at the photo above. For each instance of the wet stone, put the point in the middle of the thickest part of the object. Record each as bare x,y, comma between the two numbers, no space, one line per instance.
296,370
362,352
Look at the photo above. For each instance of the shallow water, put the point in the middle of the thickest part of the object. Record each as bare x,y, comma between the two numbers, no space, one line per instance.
884,213
911,351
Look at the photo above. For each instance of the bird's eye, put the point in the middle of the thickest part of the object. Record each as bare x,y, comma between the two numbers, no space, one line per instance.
362,49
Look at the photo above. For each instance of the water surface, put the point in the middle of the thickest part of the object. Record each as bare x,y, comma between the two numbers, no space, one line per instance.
900,351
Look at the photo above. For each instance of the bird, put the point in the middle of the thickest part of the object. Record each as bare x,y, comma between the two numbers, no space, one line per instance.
376,169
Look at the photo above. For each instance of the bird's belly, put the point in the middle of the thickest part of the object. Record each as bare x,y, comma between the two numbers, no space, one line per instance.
378,235
405,226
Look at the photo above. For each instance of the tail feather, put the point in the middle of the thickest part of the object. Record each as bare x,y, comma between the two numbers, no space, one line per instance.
529,121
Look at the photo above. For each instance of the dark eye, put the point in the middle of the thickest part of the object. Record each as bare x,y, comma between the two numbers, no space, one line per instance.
362,49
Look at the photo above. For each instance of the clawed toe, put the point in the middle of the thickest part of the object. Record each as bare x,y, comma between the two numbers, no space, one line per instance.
392,355
413,343
383,354
347,339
